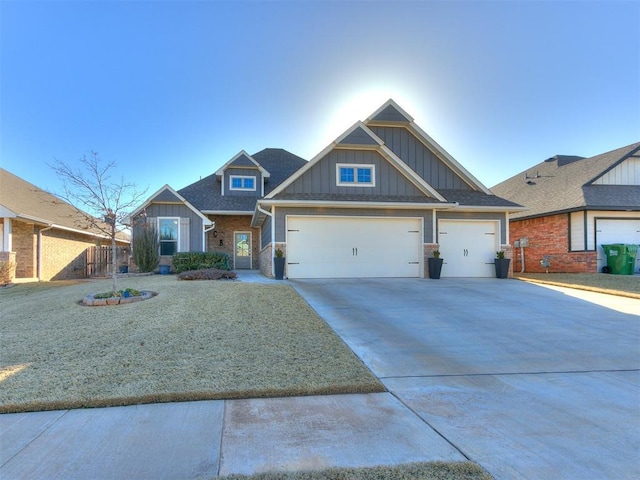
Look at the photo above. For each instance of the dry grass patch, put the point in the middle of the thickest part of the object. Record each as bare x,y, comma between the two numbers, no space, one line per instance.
195,340
623,285
412,471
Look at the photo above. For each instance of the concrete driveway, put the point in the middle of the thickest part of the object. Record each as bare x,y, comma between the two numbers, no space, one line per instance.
528,381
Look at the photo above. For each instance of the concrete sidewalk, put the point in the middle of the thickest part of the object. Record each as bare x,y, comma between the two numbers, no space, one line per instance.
194,440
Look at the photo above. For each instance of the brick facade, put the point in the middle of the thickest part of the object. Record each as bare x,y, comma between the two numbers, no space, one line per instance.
221,238
549,236
63,252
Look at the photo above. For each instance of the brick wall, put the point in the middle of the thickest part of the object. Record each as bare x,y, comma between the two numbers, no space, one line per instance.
549,236
63,252
8,257
24,244
226,225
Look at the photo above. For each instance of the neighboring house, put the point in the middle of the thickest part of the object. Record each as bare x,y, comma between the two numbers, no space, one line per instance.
375,203
575,205
44,236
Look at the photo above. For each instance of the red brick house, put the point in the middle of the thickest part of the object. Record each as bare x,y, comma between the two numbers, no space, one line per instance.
45,237
575,205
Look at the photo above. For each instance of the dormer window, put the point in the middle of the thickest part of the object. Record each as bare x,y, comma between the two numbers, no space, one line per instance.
355,175
241,182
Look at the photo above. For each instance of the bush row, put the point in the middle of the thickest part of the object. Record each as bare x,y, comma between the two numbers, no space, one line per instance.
185,261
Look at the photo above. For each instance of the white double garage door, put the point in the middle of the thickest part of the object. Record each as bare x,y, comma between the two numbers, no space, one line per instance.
359,247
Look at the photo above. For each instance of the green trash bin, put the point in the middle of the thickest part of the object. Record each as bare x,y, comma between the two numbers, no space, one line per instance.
621,258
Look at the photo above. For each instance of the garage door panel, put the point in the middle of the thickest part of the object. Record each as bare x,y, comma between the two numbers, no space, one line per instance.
614,230
468,247
347,247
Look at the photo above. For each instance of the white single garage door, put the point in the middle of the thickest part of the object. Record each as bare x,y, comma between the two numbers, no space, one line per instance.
468,247
349,247
616,230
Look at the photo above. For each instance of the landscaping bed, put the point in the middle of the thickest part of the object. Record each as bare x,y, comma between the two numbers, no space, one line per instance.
194,341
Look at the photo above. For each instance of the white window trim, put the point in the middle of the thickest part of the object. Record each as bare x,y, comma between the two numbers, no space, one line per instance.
355,182
177,238
232,177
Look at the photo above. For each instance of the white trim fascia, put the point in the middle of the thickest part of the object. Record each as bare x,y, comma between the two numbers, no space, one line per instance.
363,204
448,159
411,174
392,103
227,212
262,170
7,212
149,201
350,130
480,208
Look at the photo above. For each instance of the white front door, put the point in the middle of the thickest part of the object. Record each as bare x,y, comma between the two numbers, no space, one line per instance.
468,247
348,247
242,250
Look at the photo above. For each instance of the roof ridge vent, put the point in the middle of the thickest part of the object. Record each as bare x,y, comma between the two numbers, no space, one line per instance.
563,160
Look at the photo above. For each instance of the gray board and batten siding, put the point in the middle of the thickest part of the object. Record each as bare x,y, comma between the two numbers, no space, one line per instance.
156,210
265,233
321,177
243,172
422,160
282,212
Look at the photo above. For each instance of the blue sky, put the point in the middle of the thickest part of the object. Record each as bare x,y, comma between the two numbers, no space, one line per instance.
171,90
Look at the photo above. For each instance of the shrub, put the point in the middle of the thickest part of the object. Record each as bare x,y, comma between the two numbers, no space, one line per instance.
146,249
185,261
6,272
207,274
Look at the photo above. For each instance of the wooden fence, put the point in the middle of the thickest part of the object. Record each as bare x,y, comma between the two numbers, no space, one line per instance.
99,260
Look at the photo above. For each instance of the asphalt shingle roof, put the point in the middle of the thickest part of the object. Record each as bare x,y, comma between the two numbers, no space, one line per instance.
206,194
564,183
32,203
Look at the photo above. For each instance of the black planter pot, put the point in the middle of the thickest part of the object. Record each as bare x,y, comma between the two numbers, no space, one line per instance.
435,267
278,264
502,267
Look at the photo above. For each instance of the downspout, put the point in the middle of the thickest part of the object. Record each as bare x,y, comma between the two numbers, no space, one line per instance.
39,256
273,238
206,230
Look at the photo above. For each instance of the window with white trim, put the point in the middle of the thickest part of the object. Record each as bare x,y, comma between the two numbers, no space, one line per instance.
241,182
169,232
349,175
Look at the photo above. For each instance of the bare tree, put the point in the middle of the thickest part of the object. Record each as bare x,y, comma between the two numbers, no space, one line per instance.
106,202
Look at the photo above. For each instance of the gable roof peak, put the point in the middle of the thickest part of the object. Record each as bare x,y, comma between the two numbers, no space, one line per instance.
249,161
389,112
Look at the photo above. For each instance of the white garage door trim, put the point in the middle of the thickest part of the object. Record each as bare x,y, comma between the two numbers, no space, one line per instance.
468,246
354,246
610,230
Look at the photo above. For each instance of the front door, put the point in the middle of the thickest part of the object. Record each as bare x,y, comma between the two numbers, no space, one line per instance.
242,250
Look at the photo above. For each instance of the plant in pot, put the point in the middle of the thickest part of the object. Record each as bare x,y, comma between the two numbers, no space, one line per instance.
502,265
435,265
278,264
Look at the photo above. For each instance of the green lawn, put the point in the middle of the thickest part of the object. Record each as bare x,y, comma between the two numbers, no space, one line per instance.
413,471
624,285
195,340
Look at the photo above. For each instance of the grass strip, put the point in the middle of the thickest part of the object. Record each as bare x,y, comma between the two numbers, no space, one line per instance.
621,285
411,471
194,341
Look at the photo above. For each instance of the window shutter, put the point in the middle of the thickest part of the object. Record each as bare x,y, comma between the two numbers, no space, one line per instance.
184,235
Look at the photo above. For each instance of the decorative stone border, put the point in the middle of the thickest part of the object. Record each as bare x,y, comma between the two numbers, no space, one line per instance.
90,301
